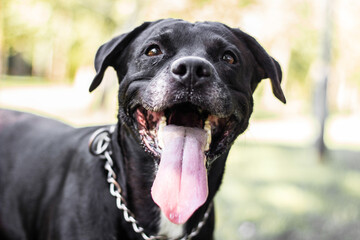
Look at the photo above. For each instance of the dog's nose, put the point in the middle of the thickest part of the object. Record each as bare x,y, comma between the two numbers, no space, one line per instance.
191,70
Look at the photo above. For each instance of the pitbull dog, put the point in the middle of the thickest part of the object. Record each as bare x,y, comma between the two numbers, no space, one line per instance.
185,95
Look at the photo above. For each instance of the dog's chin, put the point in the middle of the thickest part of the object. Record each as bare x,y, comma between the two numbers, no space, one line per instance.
221,131
183,139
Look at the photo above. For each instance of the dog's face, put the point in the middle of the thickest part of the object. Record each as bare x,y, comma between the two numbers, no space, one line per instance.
186,93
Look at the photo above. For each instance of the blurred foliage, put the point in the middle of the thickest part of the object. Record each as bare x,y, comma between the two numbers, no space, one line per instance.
57,37
301,59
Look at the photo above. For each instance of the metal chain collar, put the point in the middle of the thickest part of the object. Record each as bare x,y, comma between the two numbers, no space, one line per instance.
99,145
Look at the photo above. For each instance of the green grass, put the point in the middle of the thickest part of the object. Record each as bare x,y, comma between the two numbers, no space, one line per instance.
274,192
16,81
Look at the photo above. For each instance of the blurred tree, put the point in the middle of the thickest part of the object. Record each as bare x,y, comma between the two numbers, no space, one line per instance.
56,36
1,36
321,84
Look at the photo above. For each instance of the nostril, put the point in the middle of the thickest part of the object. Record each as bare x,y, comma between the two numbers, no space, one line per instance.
203,71
179,69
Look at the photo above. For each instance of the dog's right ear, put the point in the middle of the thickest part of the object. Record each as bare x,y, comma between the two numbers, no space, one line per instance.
267,67
107,53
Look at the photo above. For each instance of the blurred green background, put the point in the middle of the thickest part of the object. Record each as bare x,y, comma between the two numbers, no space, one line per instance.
294,174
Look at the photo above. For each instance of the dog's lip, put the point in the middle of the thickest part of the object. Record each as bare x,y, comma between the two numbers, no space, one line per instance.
146,122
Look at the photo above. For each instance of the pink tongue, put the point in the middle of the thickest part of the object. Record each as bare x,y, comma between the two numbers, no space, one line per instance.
180,186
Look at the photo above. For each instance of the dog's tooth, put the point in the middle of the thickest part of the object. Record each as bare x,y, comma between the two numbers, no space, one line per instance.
161,142
207,125
162,124
207,128
163,119
208,141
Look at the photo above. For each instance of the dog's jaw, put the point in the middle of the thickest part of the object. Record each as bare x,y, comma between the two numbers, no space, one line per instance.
221,131
180,135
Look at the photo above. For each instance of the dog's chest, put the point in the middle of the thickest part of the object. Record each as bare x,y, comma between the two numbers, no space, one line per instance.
168,228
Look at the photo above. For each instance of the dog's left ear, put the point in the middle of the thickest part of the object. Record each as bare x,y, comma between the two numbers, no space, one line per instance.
107,53
267,67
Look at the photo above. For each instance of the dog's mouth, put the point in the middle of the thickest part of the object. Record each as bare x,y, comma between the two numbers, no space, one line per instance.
183,138
150,125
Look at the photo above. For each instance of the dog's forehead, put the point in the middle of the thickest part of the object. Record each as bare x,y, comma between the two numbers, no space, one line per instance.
179,30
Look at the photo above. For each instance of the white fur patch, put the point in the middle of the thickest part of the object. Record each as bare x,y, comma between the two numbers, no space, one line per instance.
169,229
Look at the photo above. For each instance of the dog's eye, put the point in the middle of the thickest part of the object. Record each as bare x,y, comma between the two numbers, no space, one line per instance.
153,50
228,57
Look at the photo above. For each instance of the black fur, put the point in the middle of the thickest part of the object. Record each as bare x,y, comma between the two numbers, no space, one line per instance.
51,187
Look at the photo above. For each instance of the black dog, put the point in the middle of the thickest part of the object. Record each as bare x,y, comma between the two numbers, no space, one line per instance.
185,95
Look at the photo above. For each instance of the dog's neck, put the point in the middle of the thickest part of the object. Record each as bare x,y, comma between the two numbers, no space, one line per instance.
140,169
139,174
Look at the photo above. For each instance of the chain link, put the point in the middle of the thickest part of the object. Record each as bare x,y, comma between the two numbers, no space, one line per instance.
99,145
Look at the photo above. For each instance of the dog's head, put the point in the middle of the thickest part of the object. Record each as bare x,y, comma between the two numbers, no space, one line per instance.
186,93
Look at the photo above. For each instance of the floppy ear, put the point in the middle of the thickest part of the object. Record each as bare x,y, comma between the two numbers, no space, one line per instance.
268,67
107,53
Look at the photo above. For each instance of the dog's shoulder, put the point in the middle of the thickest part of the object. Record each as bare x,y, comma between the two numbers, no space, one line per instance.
39,135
